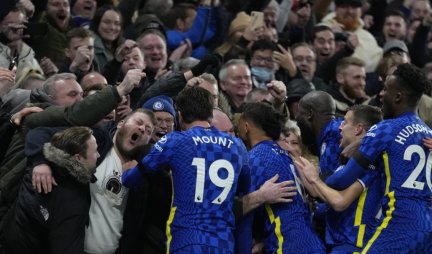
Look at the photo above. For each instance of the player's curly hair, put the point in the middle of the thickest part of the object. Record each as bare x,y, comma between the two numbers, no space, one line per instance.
264,117
412,81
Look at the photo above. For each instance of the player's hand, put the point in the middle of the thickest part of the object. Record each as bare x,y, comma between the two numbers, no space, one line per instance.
308,170
272,192
42,178
428,143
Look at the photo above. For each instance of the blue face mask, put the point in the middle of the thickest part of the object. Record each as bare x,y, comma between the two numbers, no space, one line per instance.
262,74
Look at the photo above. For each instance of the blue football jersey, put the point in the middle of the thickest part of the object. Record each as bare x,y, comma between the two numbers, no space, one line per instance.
354,226
407,202
287,225
329,147
208,167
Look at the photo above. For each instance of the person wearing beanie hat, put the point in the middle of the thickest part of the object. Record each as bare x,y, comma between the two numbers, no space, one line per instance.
296,89
163,108
236,29
239,24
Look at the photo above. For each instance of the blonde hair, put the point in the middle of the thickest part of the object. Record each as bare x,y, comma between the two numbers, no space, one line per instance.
27,74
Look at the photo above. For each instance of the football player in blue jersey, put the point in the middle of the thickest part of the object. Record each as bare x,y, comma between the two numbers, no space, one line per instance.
208,167
352,218
406,182
287,226
320,134
320,128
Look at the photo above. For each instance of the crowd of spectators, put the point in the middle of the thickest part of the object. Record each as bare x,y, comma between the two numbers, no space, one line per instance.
95,63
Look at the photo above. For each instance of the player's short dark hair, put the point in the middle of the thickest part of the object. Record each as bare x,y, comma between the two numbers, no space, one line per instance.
413,81
366,115
264,116
195,104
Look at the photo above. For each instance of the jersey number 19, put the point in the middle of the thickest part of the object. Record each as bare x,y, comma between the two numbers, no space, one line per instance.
213,170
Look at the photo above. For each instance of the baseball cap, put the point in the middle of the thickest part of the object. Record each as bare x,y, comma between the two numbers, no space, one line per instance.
355,3
395,45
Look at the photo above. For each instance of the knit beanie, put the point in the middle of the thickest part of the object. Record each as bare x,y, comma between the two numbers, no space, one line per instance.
160,103
241,21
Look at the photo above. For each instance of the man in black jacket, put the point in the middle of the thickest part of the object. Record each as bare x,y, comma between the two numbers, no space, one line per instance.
55,223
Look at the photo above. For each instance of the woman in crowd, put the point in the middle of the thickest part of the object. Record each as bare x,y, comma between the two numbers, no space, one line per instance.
107,30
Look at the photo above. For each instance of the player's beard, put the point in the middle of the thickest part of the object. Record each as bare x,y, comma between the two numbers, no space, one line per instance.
246,139
350,24
308,139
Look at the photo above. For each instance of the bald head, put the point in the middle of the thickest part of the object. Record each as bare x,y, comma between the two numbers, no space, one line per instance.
315,110
320,102
222,122
93,81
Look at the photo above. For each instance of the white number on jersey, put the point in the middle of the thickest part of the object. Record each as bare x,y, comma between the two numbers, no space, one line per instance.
411,182
214,168
298,183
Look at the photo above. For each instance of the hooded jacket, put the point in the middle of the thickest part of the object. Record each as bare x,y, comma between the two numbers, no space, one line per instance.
53,222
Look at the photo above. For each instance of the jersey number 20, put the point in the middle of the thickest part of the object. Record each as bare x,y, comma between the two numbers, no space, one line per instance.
213,170
411,182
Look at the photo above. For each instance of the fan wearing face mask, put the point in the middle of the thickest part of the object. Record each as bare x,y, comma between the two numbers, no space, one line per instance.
263,66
